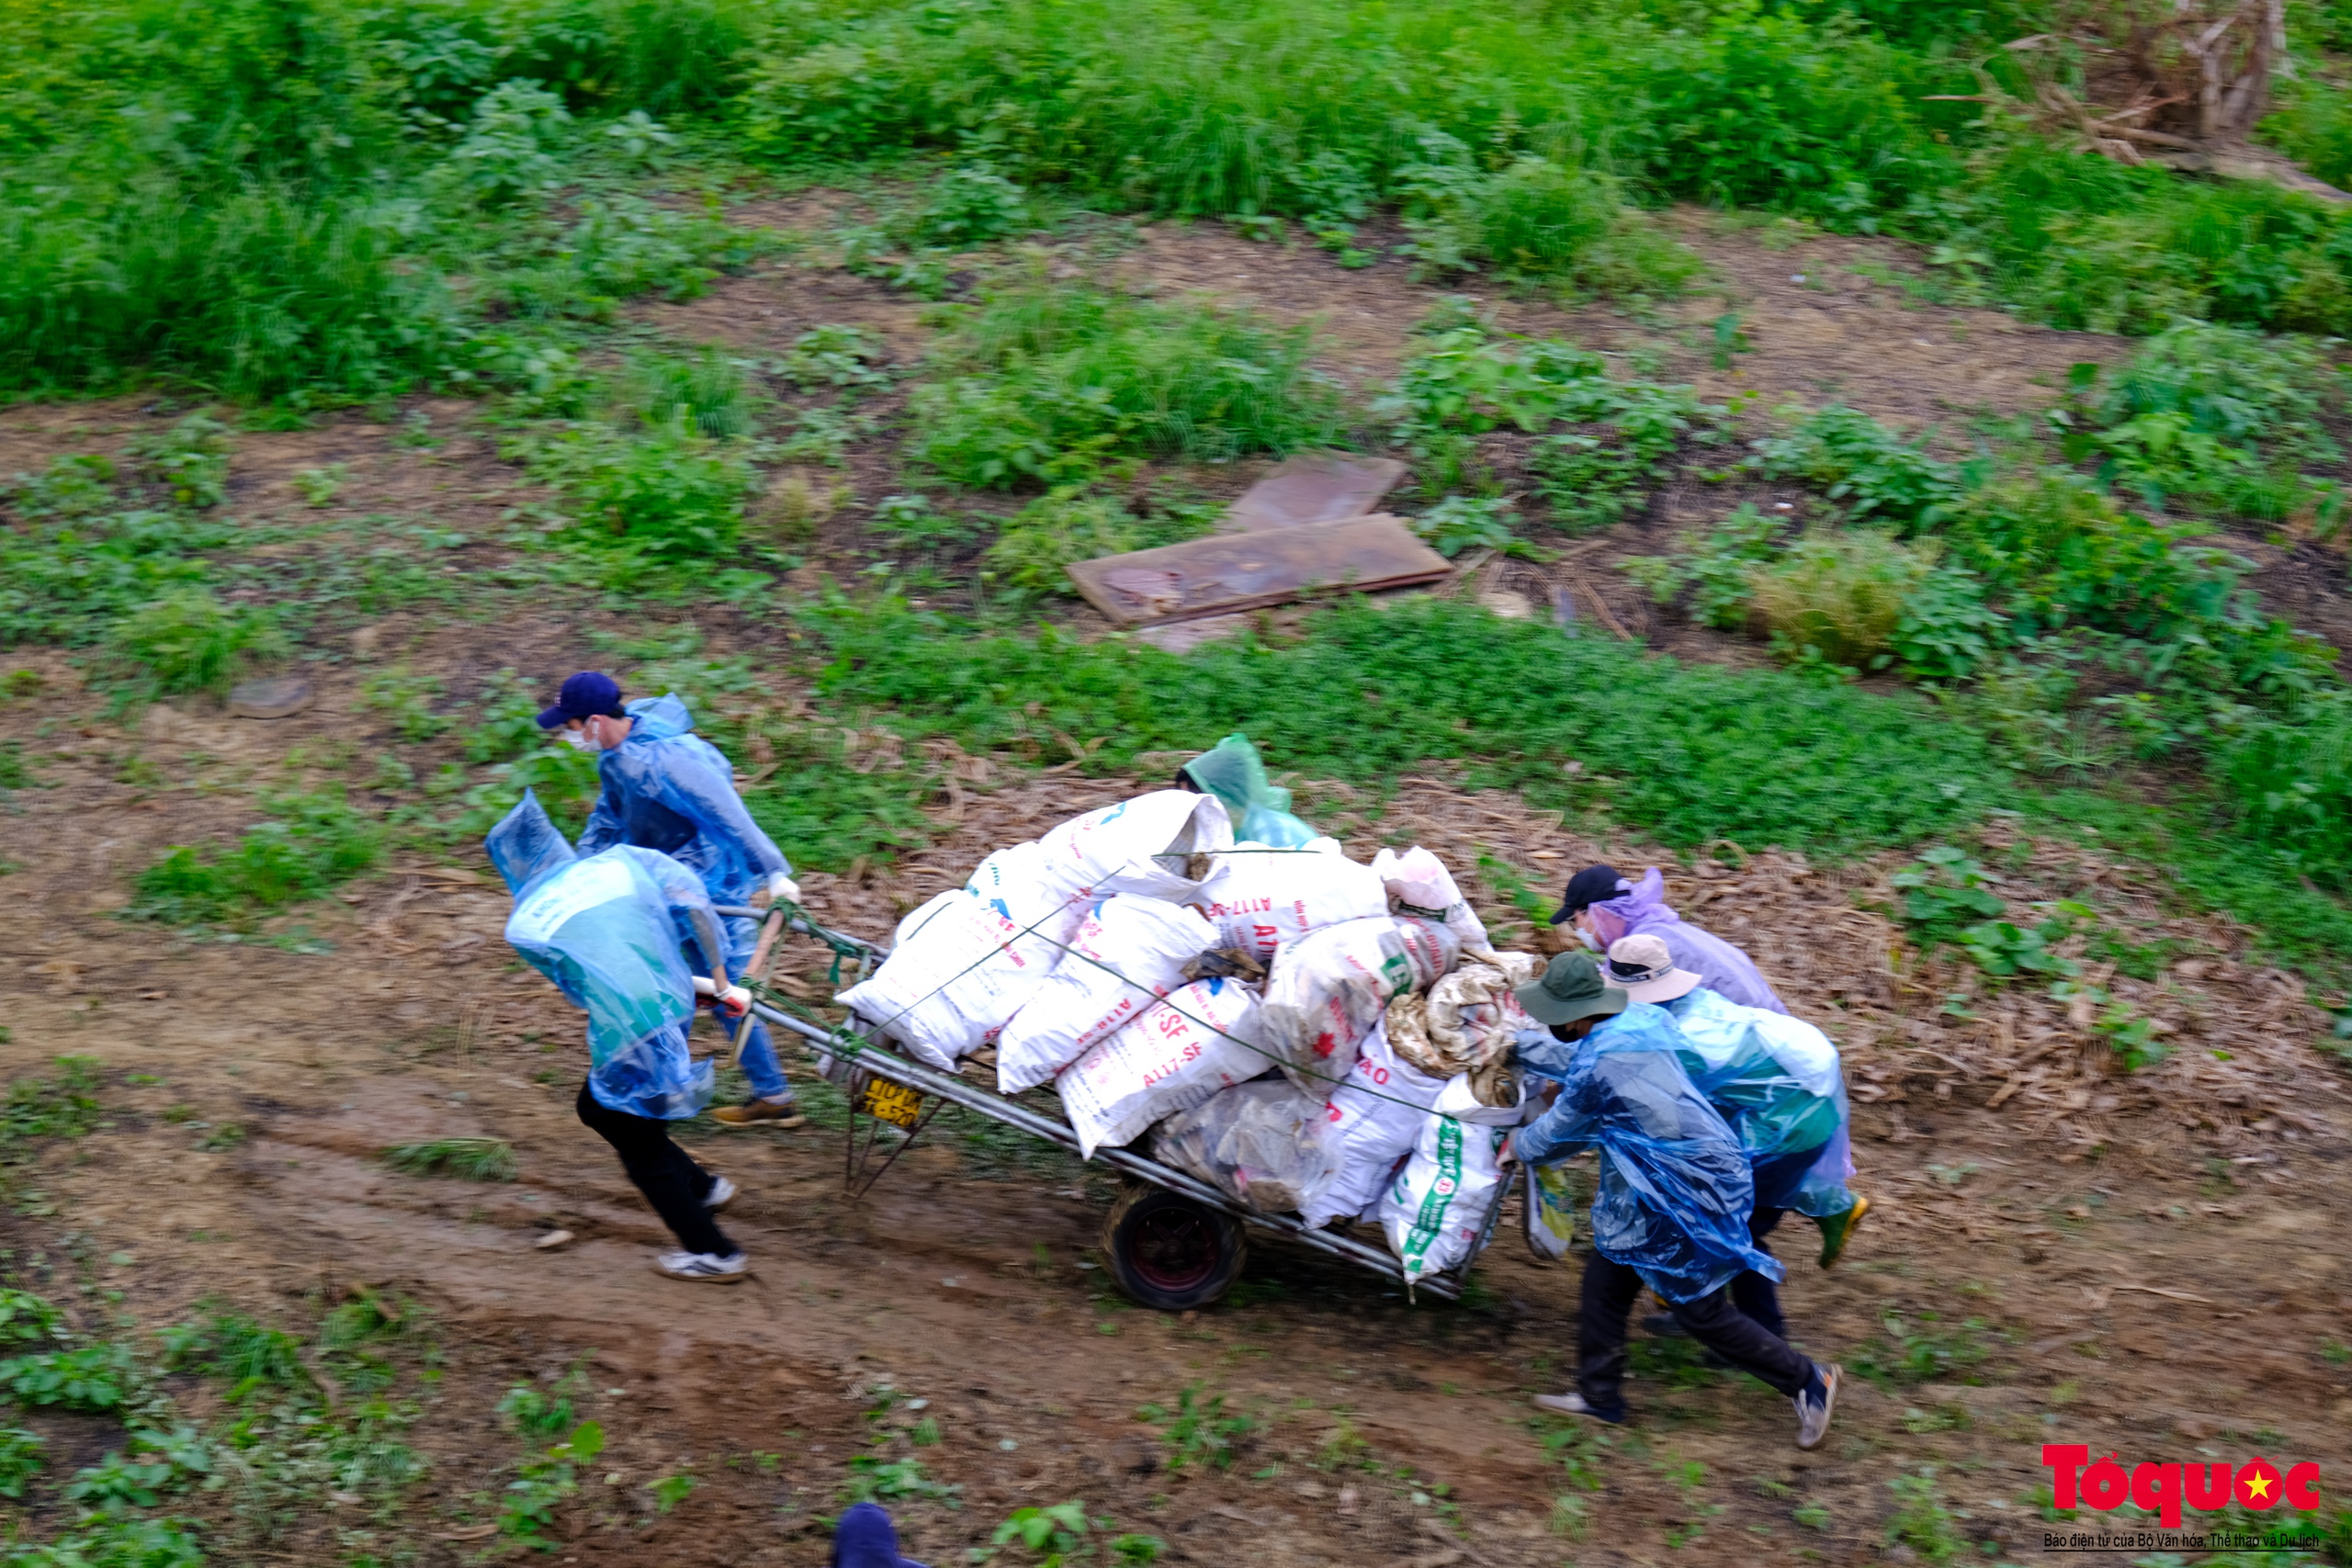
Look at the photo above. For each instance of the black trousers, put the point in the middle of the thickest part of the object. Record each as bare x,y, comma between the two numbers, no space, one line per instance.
1752,1293
1609,1289
666,1174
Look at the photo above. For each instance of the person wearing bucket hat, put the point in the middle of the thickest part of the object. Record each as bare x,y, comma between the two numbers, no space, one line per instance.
1603,906
1671,1211
863,1537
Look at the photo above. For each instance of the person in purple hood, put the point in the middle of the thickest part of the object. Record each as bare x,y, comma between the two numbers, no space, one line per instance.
1605,906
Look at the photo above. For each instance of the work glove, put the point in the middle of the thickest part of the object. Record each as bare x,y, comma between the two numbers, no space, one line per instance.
732,1002
782,889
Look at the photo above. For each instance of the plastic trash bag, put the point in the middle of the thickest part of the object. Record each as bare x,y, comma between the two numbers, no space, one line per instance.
1721,967
1328,989
1549,1212
1777,1080
1144,843
1259,809
1262,1142
1675,1191
1126,954
1437,1208
604,928
958,971
1262,896
1418,884
666,789
1375,1117
1202,1038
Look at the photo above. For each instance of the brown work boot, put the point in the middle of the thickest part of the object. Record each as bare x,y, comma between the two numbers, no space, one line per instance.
785,1113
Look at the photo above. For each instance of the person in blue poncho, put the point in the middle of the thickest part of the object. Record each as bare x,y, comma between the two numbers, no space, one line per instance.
1602,905
606,928
666,789
1675,1192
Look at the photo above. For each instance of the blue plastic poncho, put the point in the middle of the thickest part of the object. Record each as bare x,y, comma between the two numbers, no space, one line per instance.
666,789
1234,773
1777,1082
1721,967
605,928
1675,1190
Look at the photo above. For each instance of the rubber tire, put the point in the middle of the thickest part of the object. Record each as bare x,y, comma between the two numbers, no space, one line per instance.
1146,1224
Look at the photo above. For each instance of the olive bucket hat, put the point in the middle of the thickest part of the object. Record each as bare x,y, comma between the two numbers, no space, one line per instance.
1570,987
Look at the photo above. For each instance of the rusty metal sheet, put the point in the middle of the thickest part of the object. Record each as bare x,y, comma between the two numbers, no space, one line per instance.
1225,573
1313,487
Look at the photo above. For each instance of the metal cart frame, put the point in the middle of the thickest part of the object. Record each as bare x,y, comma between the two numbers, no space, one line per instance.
849,1055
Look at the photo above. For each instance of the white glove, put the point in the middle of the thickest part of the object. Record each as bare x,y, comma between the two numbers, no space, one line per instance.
782,888
734,1001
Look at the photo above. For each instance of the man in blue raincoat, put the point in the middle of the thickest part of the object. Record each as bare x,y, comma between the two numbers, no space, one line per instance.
666,789
1674,1197
605,928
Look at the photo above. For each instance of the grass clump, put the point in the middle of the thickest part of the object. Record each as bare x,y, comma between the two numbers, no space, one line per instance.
1044,383
1693,754
468,1159
310,845
188,642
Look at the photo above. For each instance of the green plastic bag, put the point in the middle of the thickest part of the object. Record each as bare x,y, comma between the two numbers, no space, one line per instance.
1260,810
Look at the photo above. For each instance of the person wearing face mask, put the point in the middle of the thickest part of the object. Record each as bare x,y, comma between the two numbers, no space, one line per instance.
1604,906
666,789
1672,1205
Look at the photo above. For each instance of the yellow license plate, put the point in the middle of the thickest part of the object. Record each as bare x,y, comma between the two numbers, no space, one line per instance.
893,1103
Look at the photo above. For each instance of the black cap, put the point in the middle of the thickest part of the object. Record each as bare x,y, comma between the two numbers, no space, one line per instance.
1593,885
584,696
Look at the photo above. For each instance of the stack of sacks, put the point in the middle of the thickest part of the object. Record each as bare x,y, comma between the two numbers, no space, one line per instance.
970,960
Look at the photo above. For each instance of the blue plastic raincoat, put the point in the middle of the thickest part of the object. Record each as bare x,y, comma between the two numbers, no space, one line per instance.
1721,967
1675,1190
605,928
1777,1080
666,789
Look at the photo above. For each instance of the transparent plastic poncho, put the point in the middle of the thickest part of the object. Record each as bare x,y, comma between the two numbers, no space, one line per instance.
1778,1081
1236,774
1641,910
1675,1191
605,928
666,789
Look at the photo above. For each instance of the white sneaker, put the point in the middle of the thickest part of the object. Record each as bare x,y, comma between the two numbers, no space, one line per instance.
1571,1403
1812,1417
704,1268
722,1192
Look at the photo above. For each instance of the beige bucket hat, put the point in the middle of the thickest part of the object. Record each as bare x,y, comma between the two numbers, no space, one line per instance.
1644,968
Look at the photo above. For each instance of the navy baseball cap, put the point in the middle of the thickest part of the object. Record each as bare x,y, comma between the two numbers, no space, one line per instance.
1593,885
590,693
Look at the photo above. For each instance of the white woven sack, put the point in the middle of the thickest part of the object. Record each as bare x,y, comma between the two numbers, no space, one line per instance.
1126,954
1181,1051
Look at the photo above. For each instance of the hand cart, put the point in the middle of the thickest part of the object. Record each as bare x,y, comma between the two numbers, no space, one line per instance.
1173,1241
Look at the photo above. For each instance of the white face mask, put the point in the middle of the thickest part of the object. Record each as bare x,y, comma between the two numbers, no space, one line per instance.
578,741
1590,939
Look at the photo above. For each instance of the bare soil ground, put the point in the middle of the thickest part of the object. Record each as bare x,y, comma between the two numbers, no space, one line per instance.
2152,1264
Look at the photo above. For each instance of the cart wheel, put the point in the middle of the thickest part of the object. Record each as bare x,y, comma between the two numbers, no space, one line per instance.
1170,1252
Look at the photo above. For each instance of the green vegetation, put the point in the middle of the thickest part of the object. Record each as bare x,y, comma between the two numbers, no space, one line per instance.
1197,1430
468,1159
310,845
